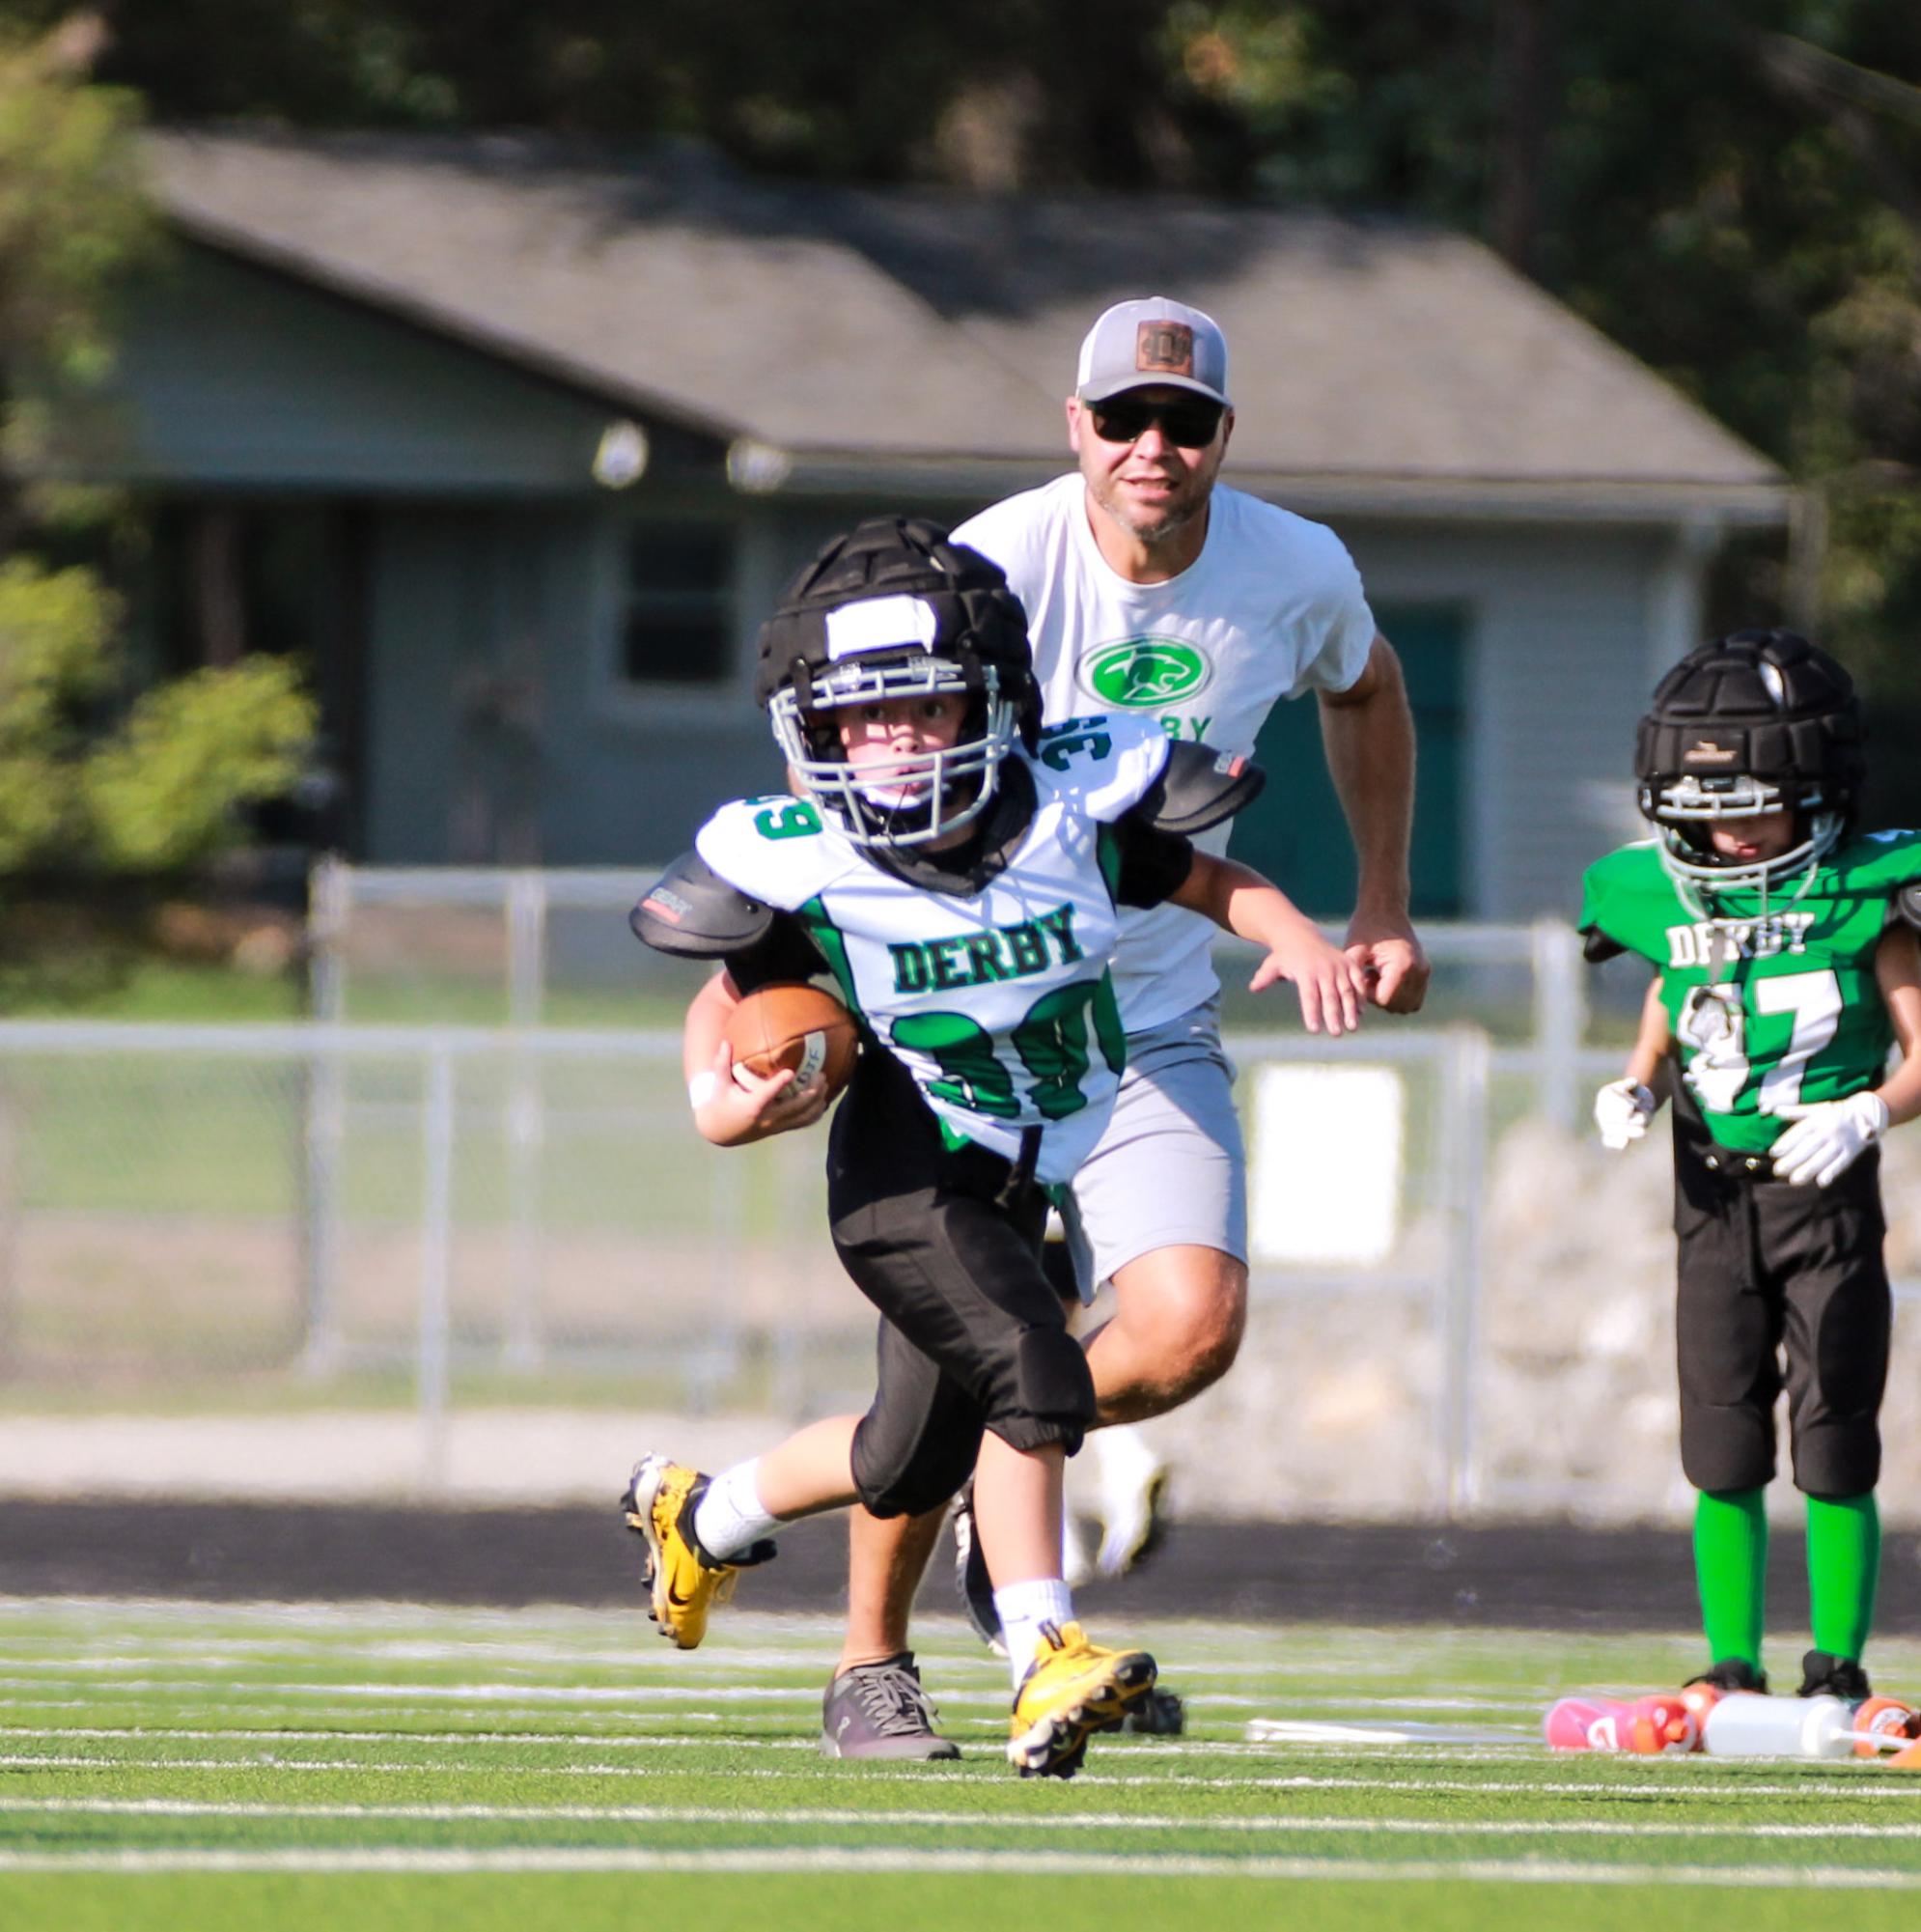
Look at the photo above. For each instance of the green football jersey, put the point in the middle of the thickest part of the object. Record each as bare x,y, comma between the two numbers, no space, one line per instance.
1773,1004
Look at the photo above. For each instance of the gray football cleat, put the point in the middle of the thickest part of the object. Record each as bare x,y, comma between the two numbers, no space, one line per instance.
880,1710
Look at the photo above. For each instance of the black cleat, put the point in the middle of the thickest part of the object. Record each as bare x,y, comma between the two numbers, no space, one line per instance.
1826,1676
1160,1714
1732,1673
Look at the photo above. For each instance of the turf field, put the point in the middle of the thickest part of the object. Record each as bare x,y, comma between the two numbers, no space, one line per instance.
215,1768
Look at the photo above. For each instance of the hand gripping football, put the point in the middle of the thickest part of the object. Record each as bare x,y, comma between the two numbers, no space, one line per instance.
789,1023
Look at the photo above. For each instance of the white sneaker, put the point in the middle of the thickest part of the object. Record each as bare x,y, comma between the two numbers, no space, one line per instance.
1133,1498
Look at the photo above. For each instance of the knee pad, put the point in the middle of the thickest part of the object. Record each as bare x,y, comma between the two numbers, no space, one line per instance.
1052,1382
911,1485
1729,1448
1839,1458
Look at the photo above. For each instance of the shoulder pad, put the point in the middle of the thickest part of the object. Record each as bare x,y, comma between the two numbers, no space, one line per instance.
1597,946
1907,903
691,910
1200,786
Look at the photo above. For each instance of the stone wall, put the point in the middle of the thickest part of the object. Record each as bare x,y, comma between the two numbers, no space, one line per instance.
1332,1409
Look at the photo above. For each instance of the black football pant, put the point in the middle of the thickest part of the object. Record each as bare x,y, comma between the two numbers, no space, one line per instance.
945,1243
1767,1268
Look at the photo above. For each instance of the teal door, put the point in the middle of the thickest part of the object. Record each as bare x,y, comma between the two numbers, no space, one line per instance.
1295,831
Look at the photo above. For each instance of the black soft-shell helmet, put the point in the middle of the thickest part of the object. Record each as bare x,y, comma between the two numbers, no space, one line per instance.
1754,722
894,609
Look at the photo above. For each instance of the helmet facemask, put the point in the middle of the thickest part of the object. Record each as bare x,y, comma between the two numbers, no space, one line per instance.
894,610
911,800
1686,810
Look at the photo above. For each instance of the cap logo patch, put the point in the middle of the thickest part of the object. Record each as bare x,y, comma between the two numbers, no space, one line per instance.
880,624
1164,347
1704,752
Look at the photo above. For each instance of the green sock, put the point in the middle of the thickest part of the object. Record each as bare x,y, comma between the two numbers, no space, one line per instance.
1731,1571
1844,1566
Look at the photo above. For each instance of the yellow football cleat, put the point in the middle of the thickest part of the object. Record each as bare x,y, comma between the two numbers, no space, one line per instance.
685,1582
1072,1690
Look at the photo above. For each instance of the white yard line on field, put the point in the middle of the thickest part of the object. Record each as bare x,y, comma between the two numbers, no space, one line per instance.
315,1734
985,1768
1143,1751
1024,1863
630,1735
883,1818
726,1666
178,1688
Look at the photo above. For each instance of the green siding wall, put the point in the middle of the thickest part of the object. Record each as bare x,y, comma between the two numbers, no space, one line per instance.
1295,831
232,376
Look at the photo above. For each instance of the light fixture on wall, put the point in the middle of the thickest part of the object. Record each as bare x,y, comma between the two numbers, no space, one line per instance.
622,457
757,468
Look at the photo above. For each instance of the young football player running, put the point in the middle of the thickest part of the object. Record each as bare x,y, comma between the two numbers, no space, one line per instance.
1785,967
960,873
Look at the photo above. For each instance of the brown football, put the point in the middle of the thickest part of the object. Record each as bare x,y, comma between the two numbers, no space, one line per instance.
789,1023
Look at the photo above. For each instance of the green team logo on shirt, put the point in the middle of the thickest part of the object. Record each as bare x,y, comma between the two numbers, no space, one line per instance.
1142,673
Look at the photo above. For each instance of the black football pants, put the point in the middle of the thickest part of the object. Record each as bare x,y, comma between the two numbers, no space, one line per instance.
1767,1269
946,1244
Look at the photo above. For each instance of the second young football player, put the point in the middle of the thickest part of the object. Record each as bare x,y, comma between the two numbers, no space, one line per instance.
959,872
1784,959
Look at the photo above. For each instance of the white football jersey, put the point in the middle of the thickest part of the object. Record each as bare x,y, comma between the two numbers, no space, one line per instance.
1271,609
1001,1005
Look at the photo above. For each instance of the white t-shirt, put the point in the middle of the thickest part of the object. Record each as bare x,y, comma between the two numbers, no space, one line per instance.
1272,607
999,1004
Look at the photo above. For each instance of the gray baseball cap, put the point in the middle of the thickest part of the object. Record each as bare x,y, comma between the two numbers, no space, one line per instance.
1152,344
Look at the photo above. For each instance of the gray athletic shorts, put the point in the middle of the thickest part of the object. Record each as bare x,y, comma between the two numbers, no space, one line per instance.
1171,1171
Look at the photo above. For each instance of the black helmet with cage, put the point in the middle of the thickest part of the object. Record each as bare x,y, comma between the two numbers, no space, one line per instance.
1755,723
891,610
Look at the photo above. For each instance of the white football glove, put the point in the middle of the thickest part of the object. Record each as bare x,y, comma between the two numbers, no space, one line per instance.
1621,1111
1827,1139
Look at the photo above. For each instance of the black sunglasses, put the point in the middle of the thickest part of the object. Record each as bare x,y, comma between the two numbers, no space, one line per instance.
1189,424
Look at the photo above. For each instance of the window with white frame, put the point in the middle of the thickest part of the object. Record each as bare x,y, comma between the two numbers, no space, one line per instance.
677,620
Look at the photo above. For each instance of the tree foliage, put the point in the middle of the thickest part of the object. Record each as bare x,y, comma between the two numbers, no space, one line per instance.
157,791
90,777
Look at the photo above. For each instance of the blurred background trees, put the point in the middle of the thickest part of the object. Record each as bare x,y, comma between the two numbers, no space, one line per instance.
94,781
1730,189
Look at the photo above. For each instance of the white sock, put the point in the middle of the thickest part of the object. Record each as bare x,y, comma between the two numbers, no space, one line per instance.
731,1514
1123,1454
1023,1608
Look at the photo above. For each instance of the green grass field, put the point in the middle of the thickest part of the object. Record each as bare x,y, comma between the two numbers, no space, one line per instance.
373,1768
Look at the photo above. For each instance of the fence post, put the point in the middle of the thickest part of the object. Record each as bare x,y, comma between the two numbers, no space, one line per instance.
1560,1019
436,1212
1464,1114
329,905
522,1344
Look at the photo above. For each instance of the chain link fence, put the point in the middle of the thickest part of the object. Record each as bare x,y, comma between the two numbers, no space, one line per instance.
423,1255
268,1219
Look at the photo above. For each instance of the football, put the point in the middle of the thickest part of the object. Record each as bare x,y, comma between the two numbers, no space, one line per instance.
789,1023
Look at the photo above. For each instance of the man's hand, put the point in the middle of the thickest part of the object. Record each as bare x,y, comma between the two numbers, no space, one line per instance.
733,1107
1391,958
1827,1138
1621,1111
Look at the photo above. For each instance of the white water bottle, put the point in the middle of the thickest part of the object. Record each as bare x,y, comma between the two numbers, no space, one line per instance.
1745,1724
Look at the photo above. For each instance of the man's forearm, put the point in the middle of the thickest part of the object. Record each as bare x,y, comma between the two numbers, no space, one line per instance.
1369,739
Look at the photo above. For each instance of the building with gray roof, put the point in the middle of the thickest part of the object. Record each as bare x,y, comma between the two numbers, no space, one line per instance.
516,442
